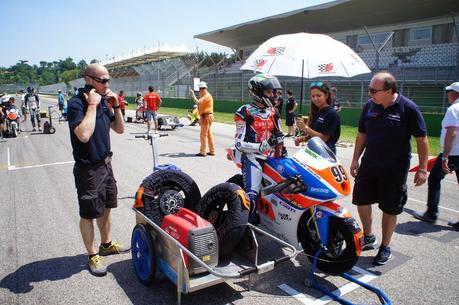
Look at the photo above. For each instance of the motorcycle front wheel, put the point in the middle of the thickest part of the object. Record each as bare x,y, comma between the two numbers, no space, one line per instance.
339,252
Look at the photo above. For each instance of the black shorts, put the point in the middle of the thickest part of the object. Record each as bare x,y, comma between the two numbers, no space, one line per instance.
383,185
61,107
96,189
289,119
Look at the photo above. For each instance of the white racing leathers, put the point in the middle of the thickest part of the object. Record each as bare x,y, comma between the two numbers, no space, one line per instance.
254,126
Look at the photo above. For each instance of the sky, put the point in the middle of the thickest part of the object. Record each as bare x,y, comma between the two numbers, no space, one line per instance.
37,30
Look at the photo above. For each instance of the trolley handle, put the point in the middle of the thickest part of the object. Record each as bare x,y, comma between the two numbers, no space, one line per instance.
148,137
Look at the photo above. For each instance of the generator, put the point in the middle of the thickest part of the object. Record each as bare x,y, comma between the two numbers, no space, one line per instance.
196,234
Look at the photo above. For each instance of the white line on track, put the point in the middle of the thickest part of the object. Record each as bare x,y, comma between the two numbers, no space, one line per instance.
14,168
304,299
423,202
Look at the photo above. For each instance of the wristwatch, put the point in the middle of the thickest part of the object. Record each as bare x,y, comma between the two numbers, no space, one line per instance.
116,107
444,158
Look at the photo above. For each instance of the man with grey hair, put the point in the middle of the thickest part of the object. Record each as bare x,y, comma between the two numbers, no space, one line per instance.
90,119
387,122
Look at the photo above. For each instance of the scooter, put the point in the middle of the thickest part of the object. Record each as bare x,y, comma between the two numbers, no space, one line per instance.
48,126
12,121
297,204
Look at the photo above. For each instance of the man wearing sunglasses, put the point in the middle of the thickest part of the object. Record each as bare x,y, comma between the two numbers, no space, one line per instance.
90,120
387,122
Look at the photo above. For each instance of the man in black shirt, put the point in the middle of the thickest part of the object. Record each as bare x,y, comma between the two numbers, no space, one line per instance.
290,109
90,120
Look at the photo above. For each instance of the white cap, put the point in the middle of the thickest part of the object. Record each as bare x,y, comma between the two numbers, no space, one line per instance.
202,85
453,86
195,106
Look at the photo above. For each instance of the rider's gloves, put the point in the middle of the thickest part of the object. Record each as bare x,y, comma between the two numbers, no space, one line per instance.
264,146
276,138
284,152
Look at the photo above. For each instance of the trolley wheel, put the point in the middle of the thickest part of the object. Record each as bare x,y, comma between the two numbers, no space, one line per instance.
224,206
143,255
166,191
52,130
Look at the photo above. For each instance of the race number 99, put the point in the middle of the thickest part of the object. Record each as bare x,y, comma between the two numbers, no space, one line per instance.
338,173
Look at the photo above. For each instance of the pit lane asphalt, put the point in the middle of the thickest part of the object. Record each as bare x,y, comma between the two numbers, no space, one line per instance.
43,258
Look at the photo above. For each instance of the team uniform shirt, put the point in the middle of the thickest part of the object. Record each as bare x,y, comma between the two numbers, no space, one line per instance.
206,104
327,122
122,102
388,131
98,146
152,100
61,98
32,101
451,119
255,125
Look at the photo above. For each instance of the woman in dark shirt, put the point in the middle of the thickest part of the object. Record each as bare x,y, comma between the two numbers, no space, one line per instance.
325,121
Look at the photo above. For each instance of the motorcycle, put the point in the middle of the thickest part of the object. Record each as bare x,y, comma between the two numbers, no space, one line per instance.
297,204
140,113
12,121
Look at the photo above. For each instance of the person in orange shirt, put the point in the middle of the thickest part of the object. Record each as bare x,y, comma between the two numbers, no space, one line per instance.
206,110
152,103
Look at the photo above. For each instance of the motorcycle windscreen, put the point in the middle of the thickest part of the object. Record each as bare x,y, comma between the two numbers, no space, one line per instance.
318,146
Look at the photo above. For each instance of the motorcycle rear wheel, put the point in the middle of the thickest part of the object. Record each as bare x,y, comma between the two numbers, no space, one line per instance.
340,254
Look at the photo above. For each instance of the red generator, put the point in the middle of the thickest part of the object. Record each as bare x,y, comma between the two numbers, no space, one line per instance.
196,234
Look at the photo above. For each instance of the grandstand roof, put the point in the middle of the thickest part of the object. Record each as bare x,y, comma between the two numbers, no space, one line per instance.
146,56
334,16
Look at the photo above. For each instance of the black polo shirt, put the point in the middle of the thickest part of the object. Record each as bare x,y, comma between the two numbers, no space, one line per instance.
388,132
327,122
98,146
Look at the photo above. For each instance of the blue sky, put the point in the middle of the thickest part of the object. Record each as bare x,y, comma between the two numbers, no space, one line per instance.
52,30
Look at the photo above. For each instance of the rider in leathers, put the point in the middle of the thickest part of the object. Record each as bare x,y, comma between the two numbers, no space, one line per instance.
258,131
32,102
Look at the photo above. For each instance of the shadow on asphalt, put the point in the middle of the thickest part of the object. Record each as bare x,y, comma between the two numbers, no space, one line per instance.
53,269
180,155
163,291
418,227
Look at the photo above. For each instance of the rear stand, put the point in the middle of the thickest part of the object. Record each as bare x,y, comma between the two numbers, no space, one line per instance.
381,295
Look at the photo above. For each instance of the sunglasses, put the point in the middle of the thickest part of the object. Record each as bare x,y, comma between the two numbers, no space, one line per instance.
100,80
316,84
374,91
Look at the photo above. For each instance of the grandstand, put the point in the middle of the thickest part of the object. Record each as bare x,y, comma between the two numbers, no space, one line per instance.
416,40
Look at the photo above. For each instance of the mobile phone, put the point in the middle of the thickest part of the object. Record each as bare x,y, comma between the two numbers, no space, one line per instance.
87,88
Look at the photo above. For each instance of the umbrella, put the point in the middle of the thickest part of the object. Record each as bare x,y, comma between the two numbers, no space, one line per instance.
305,55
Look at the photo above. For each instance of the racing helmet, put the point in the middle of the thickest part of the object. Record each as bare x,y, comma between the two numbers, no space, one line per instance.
258,84
139,94
30,90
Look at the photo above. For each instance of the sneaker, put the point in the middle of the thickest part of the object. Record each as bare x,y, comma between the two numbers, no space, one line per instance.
384,255
369,242
34,129
96,267
39,128
114,248
454,225
427,217
210,154
199,155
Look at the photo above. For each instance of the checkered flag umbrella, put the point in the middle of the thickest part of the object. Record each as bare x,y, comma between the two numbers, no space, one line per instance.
305,55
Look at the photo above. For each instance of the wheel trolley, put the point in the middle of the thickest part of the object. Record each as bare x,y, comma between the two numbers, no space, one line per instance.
153,248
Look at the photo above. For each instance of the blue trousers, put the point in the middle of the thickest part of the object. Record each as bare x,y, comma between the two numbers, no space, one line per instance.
434,182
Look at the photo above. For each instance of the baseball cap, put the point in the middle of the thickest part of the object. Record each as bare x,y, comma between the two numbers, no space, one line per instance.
454,87
202,85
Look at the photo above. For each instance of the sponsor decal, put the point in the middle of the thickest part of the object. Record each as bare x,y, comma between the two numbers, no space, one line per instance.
394,117
319,214
311,153
280,169
326,68
275,51
319,190
284,216
372,114
260,62
286,206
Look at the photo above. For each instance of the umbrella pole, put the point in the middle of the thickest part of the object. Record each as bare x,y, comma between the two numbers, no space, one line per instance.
302,85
